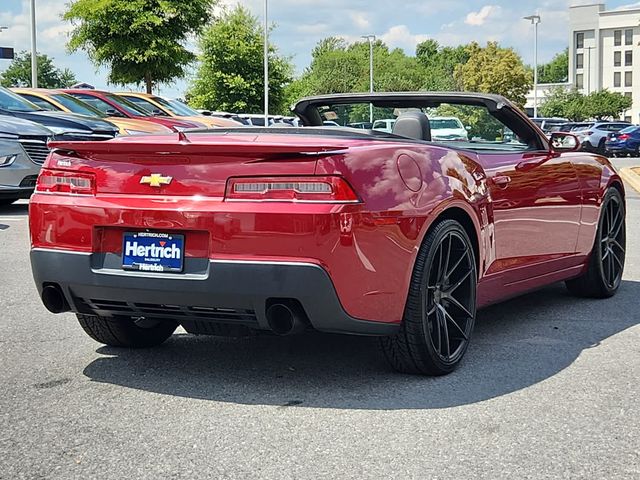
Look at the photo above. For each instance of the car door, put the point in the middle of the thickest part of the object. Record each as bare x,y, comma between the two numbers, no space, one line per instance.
536,205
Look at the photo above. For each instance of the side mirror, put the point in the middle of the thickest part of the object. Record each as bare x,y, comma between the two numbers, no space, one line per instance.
467,128
206,113
564,142
156,112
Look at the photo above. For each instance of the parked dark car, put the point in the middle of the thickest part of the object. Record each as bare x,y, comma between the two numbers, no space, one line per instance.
625,142
23,149
548,125
65,126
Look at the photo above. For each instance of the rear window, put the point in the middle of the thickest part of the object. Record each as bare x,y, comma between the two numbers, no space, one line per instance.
632,129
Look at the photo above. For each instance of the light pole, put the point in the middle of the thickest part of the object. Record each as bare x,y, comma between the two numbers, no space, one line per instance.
535,21
34,55
371,39
266,64
589,69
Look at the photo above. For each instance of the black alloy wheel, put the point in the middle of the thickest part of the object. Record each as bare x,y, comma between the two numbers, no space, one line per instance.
612,242
441,307
606,263
450,298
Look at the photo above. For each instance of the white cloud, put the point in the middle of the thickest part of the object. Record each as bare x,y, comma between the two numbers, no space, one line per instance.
360,20
479,18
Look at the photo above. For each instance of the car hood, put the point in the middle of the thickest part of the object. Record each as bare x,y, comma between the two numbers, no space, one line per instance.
19,127
68,121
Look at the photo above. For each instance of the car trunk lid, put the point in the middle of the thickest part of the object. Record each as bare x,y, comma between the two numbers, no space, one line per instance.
196,164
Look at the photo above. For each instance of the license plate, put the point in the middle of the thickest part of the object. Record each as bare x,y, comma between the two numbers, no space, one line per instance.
153,252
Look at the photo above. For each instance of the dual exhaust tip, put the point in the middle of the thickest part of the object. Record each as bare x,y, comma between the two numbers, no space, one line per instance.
54,300
286,317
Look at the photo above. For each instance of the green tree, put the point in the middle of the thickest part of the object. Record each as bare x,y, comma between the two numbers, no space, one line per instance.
18,74
231,76
139,41
557,70
604,104
440,64
575,106
493,69
339,67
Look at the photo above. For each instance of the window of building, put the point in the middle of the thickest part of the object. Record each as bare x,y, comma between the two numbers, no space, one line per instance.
628,79
579,81
617,38
628,58
580,60
629,95
617,79
579,40
617,59
628,37
627,118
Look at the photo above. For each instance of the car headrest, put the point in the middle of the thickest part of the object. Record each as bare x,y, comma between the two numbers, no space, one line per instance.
413,125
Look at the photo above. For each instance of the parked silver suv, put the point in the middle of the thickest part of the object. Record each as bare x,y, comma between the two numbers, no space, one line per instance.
23,149
594,135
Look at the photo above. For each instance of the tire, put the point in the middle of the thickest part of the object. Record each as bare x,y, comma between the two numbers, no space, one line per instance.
124,332
602,150
437,325
586,146
606,262
7,201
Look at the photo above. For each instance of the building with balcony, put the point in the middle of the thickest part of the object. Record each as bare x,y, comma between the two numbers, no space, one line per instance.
604,52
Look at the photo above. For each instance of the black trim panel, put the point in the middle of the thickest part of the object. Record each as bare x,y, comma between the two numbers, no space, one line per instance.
234,286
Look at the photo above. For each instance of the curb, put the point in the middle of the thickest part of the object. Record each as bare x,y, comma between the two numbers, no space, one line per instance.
631,177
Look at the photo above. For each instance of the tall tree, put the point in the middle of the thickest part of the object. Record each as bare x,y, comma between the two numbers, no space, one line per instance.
139,41
575,106
493,69
440,64
557,70
340,67
230,76
18,74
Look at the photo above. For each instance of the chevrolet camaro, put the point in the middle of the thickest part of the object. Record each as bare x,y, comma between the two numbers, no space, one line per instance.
280,230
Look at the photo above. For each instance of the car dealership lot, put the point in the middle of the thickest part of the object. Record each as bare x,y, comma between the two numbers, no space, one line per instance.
549,389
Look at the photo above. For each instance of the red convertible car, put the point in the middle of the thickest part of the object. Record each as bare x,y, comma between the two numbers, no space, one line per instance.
234,231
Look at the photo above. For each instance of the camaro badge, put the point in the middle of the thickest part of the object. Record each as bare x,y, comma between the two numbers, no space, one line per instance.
156,180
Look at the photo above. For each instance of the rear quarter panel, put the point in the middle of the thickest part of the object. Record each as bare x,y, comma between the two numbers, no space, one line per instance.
404,188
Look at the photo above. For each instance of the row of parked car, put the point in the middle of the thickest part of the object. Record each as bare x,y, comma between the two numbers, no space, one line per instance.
613,138
29,118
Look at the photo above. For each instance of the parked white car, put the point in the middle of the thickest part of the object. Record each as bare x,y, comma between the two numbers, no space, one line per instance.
384,125
448,129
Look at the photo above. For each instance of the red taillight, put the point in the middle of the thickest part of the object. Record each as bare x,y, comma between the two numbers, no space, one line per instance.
71,183
291,189
623,136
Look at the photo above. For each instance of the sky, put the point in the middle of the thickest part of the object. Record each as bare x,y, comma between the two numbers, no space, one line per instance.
300,24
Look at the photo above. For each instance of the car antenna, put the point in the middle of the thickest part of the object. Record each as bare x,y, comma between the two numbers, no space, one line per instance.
182,137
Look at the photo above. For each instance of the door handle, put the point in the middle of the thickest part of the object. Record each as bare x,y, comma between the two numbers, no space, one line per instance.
501,181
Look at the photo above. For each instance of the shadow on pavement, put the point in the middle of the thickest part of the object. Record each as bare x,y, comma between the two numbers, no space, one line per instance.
516,344
14,210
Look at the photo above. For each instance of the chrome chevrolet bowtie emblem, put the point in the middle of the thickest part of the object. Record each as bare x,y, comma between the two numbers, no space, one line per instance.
156,180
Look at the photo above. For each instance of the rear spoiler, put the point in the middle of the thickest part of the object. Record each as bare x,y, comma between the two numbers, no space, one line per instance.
233,146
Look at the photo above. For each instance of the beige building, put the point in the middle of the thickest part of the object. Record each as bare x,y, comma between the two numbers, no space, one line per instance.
604,52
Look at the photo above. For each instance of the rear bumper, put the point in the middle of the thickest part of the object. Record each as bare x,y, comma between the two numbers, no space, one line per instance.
213,291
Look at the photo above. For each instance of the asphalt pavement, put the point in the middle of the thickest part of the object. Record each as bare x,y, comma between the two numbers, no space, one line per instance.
549,389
